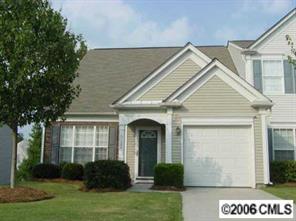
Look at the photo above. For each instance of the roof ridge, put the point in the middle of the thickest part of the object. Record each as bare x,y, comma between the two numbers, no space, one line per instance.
156,47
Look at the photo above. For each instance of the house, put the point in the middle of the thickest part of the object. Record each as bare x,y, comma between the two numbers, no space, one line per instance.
211,108
22,152
5,154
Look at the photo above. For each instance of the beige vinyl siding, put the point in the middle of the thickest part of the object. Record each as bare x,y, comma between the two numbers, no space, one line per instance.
218,99
172,81
276,42
284,109
258,150
130,151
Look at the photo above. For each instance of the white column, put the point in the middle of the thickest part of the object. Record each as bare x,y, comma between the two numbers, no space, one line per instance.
168,136
249,70
264,114
122,137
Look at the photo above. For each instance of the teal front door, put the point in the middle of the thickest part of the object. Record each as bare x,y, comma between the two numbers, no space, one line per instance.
147,152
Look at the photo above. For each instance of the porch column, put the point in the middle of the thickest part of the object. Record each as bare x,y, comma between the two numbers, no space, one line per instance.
264,116
122,141
168,136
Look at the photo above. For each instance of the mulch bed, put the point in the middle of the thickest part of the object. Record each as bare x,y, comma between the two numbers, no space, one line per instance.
22,194
60,180
290,184
167,188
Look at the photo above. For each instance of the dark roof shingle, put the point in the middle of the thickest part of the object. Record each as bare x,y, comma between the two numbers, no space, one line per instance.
107,74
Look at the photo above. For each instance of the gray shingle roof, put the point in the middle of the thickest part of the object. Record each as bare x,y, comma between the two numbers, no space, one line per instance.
107,74
243,43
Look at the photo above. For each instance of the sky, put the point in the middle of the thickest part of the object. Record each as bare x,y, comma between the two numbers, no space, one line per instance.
145,23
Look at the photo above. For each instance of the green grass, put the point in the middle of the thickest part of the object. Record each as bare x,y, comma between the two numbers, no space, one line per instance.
70,204
283,191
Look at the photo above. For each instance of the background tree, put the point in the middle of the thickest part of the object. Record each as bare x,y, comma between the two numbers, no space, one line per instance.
20,137
39,58
34,150
292,57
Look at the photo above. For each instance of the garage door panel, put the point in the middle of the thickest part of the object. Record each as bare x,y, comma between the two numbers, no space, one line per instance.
217,156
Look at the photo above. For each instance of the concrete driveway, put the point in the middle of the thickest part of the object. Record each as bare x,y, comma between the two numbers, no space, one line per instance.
201,204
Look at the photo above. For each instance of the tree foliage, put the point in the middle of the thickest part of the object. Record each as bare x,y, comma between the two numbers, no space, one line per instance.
38,62
39,58
34,151
292,57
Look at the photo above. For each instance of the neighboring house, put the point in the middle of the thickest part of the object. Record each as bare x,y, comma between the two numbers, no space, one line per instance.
207,107
5,154
22,152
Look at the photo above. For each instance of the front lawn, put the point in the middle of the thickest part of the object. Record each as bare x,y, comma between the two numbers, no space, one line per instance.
70,204
283,191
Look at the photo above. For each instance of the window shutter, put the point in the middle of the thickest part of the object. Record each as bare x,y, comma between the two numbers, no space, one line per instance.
55,144
112,148
257,70
289,78
270,149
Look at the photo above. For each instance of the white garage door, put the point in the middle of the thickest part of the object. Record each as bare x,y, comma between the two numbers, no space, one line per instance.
218,156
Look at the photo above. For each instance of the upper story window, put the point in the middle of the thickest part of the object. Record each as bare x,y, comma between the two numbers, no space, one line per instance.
274,77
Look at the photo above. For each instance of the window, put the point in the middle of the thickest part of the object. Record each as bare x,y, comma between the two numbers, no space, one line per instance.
82,144
273,77
284,144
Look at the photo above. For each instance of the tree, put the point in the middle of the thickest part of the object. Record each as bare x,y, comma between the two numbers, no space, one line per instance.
292,57
39,58
34,150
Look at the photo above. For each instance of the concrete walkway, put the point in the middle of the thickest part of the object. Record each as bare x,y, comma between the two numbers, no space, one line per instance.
202,204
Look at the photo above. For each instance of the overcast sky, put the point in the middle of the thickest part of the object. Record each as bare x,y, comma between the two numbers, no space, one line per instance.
139,23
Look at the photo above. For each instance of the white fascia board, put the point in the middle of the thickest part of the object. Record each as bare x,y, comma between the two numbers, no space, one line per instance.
234,45
269,32
187,47
217,121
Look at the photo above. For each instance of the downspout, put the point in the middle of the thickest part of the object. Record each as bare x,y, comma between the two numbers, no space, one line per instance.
42,144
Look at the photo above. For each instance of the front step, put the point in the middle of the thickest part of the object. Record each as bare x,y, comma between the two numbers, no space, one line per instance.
144,180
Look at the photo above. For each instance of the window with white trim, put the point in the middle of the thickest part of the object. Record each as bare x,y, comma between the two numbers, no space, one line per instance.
284,144
83,143
273,76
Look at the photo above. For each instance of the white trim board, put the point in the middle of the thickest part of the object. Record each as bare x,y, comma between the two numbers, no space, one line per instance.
188,47
138,128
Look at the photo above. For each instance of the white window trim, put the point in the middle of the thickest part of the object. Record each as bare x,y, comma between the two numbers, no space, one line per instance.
282,76
93,146
294,139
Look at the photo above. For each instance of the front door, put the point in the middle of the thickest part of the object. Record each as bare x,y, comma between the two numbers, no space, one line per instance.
147,152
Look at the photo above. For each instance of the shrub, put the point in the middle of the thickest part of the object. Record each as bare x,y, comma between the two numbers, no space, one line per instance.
283,171
72,171
169,174
46,171
107,174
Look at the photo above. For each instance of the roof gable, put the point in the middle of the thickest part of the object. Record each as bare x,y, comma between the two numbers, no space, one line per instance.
215,68
273,29
171,82
189,51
